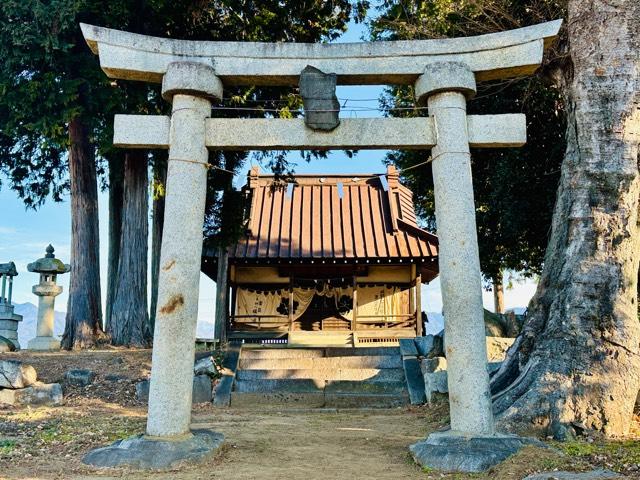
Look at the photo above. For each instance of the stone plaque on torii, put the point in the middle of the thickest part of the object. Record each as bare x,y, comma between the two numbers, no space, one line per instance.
444,74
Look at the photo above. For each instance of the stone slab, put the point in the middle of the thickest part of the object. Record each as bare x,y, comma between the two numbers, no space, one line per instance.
222,390
201,391
36,394
485,131
366,387
408,347
386,374
425,345
436,382
266,353
15,374
279,385
497,55
321,106
45,344
452,453
275,400
79,377
599,474
414,380
152,453
431,365
333,363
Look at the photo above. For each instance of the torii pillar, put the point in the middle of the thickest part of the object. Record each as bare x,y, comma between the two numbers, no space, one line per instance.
472,443
190,87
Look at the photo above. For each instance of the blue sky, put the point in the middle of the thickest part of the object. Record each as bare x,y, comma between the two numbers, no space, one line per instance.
24,234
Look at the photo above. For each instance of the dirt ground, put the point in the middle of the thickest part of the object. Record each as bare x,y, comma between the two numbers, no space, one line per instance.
49,442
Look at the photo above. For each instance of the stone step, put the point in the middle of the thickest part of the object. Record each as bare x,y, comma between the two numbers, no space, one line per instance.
275,352
310,386
375,374
303,339
368,387
325,363
279,386
316,400
277,400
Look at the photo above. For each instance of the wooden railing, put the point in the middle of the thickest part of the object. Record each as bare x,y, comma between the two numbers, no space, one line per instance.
363,322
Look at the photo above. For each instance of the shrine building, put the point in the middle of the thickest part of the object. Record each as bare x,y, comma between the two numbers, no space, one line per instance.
328,260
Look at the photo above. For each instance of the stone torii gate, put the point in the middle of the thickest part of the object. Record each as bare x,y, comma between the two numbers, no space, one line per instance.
444,72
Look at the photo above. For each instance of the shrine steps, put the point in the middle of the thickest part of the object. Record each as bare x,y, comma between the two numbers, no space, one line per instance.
319,378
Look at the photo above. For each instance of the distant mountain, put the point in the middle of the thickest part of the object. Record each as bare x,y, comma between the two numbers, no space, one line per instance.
27,327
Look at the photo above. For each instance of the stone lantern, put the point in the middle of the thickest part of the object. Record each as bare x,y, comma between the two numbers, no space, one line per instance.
8,319
49,268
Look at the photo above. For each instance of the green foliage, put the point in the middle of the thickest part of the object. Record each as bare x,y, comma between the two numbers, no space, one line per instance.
7,446
48,75
514,188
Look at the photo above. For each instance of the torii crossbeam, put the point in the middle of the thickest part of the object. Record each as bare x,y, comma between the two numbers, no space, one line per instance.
444,74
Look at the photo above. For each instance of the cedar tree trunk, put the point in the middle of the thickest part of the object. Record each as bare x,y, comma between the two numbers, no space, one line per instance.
116,198
129,324
83,323
576,366
160,181
222,293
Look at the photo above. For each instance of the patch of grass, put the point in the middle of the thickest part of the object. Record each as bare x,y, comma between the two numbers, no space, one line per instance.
7,446
617,455
122,433
53,433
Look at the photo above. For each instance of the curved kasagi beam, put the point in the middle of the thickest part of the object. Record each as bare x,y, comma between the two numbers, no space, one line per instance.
507,54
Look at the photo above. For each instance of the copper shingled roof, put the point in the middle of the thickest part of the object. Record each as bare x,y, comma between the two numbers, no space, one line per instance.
333,217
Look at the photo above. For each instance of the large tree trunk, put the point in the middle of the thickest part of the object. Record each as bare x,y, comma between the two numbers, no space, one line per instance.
222,294
159,183
129,317
84,315
577,363
116,199
498,294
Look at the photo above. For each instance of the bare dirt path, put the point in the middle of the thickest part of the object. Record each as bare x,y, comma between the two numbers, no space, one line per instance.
49,442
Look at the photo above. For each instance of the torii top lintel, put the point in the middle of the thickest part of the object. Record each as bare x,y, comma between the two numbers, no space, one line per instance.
506,54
